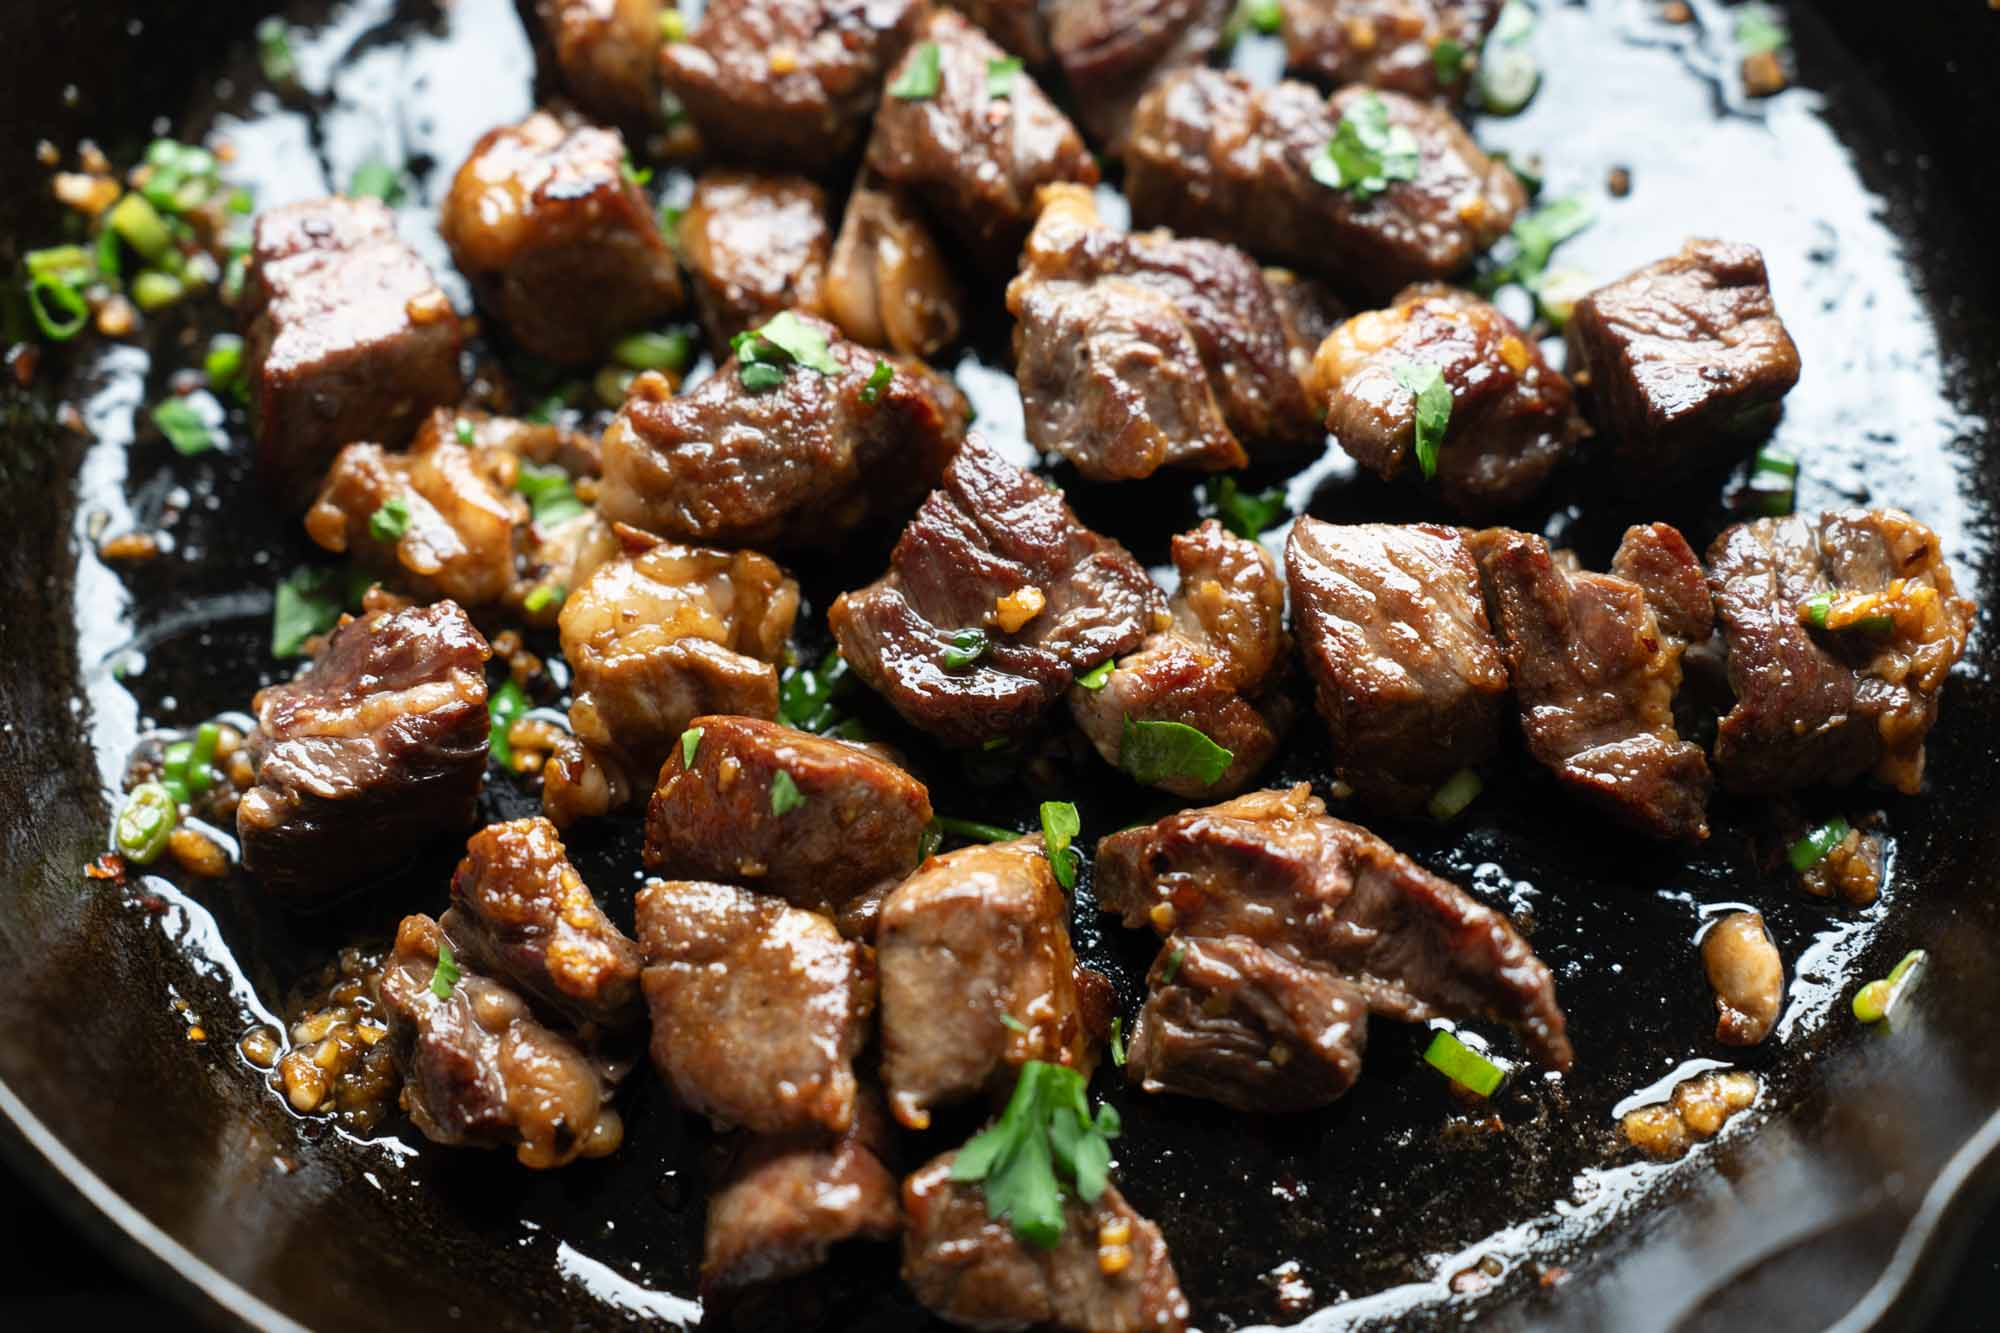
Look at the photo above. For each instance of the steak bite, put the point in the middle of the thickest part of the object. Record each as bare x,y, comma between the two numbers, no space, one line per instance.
1215,668
975,160
801,461
1679,363
754,244
996,597
1143,350
378,747
1595,675
840,822
888,284
758,1008
1111,51
478,1070
1842,628
1393,629
654,639
347,336
1511,418
787,83
1209,155
1274,869
558,244
519,910
608,52
971,1270
1018,25
1386,43
978,978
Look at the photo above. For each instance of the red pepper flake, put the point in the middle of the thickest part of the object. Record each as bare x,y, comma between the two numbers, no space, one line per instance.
1554,1277
108,865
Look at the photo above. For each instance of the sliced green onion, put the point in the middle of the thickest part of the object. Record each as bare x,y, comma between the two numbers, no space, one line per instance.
446,974
1810,850
376,179
174,762
758,376
966,647
461,430
690,743
233,277
1173,967
551,498
655,351
1874,1001
542,596
1061,824
973,830
637,176
505,707
1011,1023
240,202
1463,1065
878,380
154,290
1459,791
147,817
785,793
1117,1042
223,362
140,226
1448,62
201,774
1000,76
922,72
673,25
611,383
71,264
1816,608
184,428
274,51
1771,458
109,258
390,521
1094,678
75,311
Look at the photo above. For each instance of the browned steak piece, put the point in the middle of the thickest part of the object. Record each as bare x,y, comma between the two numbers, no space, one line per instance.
1511,417
1393,628
888,284
1217,668
974,160
1018,25
787,83
608,53
978,978
346,337
783,1202
996,597
1856,694
1209,155
520,911
842,821
478,1070
801,463
1595,675
758,1008
1386,43
558,244
656,638
1274,869
971,1270
1234,1022
1658,558
1136,351
1681,362
755,244
376,749
1112,50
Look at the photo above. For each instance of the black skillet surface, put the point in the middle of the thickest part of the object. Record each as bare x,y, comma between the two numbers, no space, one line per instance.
1868,196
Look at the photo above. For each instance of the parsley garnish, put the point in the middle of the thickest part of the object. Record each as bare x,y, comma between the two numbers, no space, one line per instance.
504,707
635,175
967,646
551,498
1060,824
1532,240
376,180
1046,1128
309,602
1094,678
462,430
1433,410
973,830
785,793
690,742
878,380
762,354
1247,515
1155,751
1448,61
806,694
1012,1024
1173,967
1366,152
1758,31
920,75
757,376
446,974
184,426
391,521
1000,76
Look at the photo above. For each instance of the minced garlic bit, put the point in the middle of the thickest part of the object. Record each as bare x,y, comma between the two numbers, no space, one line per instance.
1162,916
1113,1259
1515,353
784,60
197,853
1698,1109
1017,608
129,546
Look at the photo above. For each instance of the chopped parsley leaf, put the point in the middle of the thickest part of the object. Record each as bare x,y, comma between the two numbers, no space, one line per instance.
1060,825
966,647
690,742
921,74
446,974
1153,752
785,794
1366,152
391,521
1433,397
504,706
1046,1129
1247,515
1000,75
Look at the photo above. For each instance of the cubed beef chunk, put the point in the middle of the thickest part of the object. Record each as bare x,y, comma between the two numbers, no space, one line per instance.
1595,675
1209,155
1853,689
758,1008
1215,668
1386,43
787,83
971,1270
803,463
888,284
479,1071
996,597
1112,50
978,978
1018,25
1136,351
1511,415
1274,869
378,747
784,1201
755,244
1231,1021
558,244
1658,558
1681,362
654,639
608,53
974,160
1393,629
347,337
520,911
843,822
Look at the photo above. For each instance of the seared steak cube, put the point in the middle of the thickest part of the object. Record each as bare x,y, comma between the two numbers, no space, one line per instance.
478,1070
347,337
888,285
975,160
608,53
801,462
971,1270
520,911
1111,51
1393,628
556,242
1853,689
1679,363
377,748
1658,558
1386,43
754,244
840,821
1214,669
1209,155
758,1008
995,599
787,83
1511,418
1018,25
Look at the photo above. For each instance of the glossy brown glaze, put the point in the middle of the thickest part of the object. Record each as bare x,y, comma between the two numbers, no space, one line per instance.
755,244
1386,43
607,52
888,283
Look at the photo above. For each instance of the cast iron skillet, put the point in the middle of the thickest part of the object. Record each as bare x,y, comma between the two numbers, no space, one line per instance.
1841,1195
